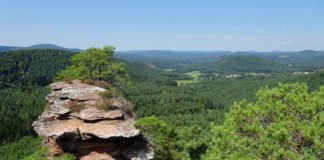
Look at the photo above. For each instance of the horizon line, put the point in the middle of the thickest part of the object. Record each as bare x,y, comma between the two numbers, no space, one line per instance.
172,50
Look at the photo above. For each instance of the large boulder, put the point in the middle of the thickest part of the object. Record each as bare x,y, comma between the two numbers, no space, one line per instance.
73,122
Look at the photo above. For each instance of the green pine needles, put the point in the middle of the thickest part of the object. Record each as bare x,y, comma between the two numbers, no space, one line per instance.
95,64
286,122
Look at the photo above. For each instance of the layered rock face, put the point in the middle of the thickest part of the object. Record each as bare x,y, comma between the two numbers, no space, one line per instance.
73,122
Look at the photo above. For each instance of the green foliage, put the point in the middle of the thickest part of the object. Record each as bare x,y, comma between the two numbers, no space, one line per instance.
22,73
107,97
43,154
187,111
191,141
140,72
31,67
152,125
106,106
204,102
158,133
194,75
285,122
95,64
40,154
109,93
185,61
29,148
240,63
18,109
189,106
21,148
172,142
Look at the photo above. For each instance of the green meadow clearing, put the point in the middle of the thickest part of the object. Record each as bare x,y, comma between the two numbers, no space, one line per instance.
168,70
194,75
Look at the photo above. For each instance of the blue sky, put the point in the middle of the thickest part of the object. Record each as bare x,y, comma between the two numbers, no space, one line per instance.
261,25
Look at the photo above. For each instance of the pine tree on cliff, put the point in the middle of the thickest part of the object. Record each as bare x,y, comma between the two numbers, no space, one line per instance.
95,64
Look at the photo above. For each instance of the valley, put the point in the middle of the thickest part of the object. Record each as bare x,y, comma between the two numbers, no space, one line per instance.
187,92
162,80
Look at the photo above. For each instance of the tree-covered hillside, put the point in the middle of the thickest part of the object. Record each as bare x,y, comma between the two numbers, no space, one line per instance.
177,119
24,76
196,106
307,59
38,46
18,109
31,67
225,62
247,64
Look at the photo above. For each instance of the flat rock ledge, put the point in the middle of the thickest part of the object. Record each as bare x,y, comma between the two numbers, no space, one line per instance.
89,133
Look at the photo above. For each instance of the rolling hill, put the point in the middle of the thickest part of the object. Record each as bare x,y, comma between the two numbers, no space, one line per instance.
239,63
38,46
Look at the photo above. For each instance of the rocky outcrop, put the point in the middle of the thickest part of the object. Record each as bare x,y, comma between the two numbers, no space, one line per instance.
73,122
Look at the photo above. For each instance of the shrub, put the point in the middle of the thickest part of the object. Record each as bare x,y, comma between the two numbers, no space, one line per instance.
41,154
44,154
126,106
102,84
158,133
106,105
108,94
75,106
88,81
21,148
286,122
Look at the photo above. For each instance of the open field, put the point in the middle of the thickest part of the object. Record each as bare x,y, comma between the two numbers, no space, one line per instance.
194,75
168,70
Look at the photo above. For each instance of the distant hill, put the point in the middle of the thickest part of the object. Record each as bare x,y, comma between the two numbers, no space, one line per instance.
239,63
38,46
242,61
9,48
168,54
306,58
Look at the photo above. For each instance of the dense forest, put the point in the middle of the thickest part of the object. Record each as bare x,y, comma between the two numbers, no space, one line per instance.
31,67
24,75
181,114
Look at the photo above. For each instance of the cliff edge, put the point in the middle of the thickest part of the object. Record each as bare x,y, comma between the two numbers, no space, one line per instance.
80,119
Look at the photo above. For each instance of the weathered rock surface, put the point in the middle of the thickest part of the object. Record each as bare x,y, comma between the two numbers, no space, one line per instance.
93,114
72,123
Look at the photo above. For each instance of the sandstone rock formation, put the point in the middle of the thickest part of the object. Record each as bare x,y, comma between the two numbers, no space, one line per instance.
73,122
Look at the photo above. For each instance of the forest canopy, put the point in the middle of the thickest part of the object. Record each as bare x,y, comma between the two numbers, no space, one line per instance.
175,119
35,67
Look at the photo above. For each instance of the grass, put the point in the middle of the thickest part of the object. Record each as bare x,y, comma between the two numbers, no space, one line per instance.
75,106
168,70
194,74
106,105
195,78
